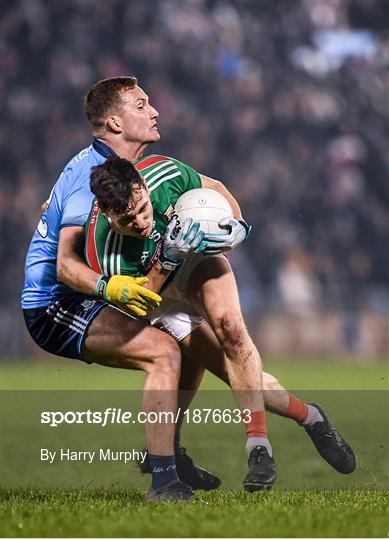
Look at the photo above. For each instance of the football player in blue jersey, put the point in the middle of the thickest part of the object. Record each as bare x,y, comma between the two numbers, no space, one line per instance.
67,309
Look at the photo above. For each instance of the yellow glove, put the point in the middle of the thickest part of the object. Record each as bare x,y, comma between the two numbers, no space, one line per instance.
127,293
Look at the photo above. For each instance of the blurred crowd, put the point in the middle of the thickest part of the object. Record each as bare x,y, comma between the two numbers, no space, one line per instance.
286,101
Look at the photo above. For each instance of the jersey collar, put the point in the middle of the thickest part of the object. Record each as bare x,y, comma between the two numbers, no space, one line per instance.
103,149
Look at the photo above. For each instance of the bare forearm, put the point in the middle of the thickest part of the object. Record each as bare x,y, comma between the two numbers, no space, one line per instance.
210,183
77,275
157,277
221,188
71,267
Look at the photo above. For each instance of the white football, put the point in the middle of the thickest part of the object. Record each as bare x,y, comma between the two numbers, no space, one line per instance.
206,206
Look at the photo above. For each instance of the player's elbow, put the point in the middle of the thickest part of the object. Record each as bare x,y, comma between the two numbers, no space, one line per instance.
70,245
60,270
217,186
63,270
211,183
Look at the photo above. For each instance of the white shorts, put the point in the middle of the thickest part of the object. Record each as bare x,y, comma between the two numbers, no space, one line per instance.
176,316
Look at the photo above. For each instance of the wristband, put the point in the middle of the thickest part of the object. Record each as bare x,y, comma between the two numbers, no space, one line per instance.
167,263
101,286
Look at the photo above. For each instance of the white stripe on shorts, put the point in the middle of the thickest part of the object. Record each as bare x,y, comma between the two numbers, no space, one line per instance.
62,316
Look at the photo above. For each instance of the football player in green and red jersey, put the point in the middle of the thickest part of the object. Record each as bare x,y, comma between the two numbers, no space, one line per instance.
133,235
128,228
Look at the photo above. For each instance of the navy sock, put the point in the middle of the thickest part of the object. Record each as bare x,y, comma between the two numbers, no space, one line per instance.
177,445
163,469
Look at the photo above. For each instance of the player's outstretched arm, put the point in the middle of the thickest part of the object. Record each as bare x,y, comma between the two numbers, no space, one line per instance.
123,291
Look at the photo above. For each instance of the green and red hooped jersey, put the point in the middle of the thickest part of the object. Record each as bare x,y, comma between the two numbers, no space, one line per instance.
110,253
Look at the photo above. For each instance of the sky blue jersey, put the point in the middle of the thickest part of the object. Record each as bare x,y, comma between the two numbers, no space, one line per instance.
69,205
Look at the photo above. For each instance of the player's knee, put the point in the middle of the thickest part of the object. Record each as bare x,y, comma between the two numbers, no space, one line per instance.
230,331
269,382
167,358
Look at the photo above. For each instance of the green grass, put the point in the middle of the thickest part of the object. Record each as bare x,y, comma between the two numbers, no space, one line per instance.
295,373
222,514
101,500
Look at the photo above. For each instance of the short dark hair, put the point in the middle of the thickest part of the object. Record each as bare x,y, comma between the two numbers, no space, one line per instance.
104,97
113,183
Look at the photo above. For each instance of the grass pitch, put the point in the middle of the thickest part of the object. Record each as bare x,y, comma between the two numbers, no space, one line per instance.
225,513
310,499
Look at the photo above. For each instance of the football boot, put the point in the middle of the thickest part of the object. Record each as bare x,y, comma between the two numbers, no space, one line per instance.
330,444
262,470
194,476
173,491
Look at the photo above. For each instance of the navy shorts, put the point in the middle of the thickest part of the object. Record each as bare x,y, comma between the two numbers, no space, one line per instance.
61,327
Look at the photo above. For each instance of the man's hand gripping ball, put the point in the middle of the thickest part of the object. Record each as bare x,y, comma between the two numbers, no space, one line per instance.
179,242
237,231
